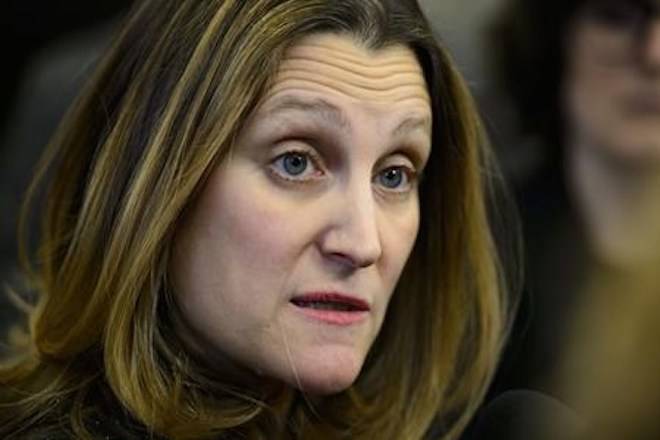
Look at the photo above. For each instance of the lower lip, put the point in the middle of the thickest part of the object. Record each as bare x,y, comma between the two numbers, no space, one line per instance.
334,317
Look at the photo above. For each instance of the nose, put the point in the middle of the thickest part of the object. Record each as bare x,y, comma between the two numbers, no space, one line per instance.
650,46
352,236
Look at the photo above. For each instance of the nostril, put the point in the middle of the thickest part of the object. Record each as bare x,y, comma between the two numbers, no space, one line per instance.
344,259
354,258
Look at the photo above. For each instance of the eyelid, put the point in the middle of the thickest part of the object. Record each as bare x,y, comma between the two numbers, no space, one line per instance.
410,171
285,148
417,155
401,158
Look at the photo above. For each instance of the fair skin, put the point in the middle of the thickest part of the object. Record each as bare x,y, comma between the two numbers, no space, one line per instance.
285,265
612,100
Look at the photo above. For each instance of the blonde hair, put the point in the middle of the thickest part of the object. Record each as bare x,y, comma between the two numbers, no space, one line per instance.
161,112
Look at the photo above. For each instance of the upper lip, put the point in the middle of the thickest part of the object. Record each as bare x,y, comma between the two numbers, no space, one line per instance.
333,297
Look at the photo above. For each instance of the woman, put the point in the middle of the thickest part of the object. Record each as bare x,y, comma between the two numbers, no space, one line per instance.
583,76
233,204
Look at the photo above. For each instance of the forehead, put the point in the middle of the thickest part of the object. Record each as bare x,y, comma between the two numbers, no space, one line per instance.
388,78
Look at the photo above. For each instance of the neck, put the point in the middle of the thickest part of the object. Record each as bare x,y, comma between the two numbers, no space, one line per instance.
619,202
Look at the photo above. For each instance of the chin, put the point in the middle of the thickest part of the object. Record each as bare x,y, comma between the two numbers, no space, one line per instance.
325,385
326,374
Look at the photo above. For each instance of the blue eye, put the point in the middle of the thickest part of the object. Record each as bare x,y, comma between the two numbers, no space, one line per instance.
394,178
296,166
294,163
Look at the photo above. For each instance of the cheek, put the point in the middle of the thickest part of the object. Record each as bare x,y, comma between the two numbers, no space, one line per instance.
259,237
597,74
231,244
231,262
590,98
399,237
584,84
261,241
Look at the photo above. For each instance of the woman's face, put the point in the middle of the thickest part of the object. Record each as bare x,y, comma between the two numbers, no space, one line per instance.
287,261
612,87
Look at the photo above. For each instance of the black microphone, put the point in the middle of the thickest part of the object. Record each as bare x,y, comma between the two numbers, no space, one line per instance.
525,415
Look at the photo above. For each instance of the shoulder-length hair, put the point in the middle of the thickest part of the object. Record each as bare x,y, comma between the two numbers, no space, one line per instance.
161,112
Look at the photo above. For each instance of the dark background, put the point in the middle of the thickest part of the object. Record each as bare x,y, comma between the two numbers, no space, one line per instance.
30,26
47,49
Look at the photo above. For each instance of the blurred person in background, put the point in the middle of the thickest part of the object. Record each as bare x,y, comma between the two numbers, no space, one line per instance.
585,79
611,368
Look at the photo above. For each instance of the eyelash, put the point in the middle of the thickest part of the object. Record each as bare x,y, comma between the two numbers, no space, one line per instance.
409,175
311,157
276,167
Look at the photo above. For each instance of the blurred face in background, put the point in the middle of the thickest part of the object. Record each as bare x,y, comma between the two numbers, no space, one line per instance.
612,81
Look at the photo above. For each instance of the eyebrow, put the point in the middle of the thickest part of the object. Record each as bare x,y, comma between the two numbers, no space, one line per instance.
412,123
328,111
318,107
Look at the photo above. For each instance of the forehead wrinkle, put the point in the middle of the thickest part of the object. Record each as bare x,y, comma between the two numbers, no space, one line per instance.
390,98
402,92
388,78
370,71
342,65
388,60
354,81
347,52
374,79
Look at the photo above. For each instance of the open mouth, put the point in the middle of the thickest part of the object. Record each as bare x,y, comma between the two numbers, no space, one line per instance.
327,305
331,302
